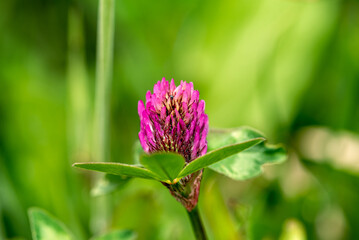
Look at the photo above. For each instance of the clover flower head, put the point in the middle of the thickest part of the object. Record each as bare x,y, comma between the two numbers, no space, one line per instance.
173,120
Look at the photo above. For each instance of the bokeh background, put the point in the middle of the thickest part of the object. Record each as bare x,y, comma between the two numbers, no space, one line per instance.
289,68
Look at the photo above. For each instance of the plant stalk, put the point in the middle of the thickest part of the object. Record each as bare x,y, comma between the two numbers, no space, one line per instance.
197,225
104,66
101,207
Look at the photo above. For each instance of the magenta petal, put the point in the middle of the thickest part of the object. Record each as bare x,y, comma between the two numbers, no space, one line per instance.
194,108
157,88
192,127
185,96
191,86
204,150
172,85
140,108
195,96
179,93
158,129
178,129
178,116
205,125
167,122
165,86
143,141
184,107
173,121
148,97
163,112
188,91
187,118
200,108
187,136
202,143
182,124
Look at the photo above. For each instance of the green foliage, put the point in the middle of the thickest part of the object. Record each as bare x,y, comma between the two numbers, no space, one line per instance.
118,235
118,169
246,164
166,165
46,227
217,155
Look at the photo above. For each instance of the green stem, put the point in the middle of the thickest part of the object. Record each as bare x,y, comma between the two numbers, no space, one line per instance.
104,65
101,209
197,224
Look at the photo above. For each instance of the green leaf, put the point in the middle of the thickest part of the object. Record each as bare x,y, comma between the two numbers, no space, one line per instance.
109,183
246,164
45,227
218,155
166,165
118,235
118,169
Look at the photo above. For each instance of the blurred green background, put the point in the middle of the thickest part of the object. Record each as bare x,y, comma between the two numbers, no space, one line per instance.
289,68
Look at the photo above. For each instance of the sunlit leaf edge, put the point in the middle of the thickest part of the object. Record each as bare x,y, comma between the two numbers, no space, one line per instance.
36,210
137,171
